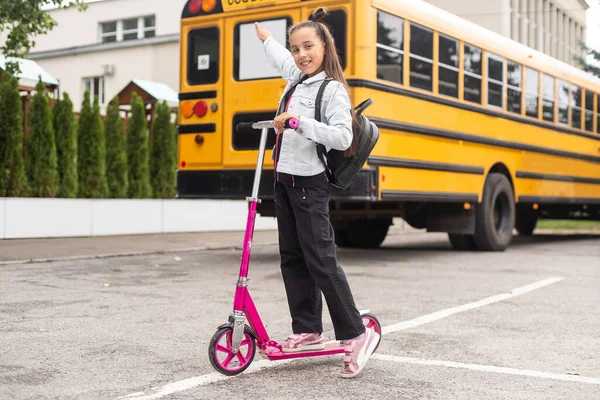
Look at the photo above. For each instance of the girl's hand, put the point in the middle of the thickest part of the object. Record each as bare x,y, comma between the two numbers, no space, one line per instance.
279,121
262,34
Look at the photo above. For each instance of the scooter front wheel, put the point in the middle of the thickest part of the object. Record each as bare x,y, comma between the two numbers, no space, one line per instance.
220,352
370,321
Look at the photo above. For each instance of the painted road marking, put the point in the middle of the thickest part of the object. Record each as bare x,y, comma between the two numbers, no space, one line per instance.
425,319
489,368
213,377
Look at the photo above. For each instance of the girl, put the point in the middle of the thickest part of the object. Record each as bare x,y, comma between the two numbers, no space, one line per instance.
306,243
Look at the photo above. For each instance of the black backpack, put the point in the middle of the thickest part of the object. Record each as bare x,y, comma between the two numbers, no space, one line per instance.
342,170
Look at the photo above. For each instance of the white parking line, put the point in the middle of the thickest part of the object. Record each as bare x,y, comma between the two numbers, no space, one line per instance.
489,368
207,379
425,319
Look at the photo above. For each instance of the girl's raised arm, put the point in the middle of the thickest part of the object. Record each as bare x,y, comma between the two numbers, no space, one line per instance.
279,57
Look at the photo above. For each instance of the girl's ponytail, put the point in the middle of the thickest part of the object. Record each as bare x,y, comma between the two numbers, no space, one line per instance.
332,65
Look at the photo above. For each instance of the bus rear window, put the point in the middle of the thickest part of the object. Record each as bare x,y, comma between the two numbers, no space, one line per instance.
203,56
249,58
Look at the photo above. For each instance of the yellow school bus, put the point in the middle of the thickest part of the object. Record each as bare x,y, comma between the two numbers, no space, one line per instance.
480,135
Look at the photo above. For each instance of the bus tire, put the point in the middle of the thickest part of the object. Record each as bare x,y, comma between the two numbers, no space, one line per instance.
462,242
495,215
526,221
368,233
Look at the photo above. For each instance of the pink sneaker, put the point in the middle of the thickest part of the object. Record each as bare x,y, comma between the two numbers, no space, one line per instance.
358,351
303,342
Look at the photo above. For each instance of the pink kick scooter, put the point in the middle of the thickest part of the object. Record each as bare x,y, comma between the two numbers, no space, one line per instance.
233,346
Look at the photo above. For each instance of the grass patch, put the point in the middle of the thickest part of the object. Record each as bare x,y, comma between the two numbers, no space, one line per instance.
567,224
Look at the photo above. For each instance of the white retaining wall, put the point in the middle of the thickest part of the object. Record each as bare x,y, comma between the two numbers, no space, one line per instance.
43,218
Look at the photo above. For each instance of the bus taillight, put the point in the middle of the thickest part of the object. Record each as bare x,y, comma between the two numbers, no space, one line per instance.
195,6
200,108
207,6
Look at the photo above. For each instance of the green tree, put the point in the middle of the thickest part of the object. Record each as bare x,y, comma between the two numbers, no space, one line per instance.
594,66
163,161
91,151
137,151
13,181
116,158
41,149
66,146
24,19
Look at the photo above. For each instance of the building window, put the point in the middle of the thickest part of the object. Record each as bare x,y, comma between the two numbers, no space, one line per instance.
128,29
421,57
514,87
448,66
472,59
547,98
95,86
532,84
109,32
390,47
589,111
495,81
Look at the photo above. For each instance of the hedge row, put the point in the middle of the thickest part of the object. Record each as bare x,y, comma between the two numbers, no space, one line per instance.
88,157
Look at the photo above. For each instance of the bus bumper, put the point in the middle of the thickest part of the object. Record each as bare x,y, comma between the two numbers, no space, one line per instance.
237,184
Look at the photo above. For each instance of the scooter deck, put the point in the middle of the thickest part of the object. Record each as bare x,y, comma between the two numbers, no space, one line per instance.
330,349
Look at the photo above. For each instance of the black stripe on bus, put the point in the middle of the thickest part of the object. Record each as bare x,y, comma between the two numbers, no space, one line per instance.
467,137
438,197
197,128
558,178
558,200
208,94
434,99
425,165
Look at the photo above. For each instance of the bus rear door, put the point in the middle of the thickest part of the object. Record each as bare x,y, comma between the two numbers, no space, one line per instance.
200,127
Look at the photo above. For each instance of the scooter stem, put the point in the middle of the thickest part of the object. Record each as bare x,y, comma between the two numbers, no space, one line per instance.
259,164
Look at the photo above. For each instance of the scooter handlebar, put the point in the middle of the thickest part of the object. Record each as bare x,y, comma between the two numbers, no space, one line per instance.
290,123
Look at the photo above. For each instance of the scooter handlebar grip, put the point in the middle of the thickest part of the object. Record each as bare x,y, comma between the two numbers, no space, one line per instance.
292,123
244,127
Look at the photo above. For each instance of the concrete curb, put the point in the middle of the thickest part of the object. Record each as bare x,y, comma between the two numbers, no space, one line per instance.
130,254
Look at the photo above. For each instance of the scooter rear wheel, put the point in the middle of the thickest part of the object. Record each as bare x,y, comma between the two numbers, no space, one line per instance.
370,321
220,352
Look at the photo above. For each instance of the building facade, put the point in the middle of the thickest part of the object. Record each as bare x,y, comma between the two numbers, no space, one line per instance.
116,41
553,27
110,44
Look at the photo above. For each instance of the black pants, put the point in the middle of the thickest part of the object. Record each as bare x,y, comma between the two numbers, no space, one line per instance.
309,264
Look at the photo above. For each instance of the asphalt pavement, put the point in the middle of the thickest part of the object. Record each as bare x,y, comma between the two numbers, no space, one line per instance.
522,324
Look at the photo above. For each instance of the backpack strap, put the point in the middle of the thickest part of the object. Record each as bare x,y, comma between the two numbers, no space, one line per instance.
321,149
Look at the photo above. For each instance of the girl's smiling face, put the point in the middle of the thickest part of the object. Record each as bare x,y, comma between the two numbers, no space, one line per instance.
308,50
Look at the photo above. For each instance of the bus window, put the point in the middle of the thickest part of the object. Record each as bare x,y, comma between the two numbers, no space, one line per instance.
589,111
532,84
249,59
390,47
495,80
563,102
472,90
576,107
337,21
421,57
514,87
203,56
448,66
548,98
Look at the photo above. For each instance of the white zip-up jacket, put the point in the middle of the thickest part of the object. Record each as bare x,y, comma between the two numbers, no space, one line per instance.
298,152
